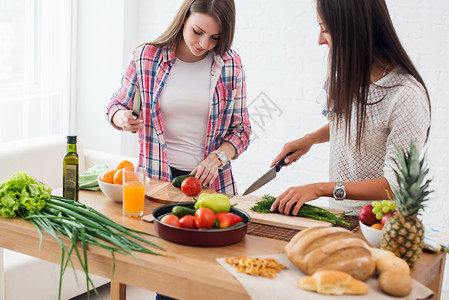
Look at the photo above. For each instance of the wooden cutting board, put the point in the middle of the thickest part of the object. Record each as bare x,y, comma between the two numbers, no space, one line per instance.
165,192
246,202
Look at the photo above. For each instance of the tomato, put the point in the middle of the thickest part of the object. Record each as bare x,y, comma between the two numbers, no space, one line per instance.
171,220
124,164
191,186
204,218
108,176
227,219
188,221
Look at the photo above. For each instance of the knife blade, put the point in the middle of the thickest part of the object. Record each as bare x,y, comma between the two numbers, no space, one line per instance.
267,177
136,102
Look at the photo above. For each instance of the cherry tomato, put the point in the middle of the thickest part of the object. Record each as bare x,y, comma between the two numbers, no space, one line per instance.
204,218
191,186
171,220
188,221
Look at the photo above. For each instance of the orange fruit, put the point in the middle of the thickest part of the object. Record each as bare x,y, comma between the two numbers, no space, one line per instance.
124,164
377,226
118,176
108,176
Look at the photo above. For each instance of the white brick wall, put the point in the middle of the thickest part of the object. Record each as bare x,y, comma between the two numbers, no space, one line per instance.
278,44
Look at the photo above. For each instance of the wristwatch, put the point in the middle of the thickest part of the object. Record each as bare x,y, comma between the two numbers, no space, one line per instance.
339,191
222,157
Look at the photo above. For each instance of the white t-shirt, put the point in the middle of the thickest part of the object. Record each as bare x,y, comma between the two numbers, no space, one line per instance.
185,104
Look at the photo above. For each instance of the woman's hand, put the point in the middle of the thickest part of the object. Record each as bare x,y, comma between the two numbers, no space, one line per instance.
125,120
207,170
295,195
298,147
302,145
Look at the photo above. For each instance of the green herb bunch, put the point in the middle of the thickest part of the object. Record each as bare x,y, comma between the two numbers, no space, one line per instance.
306,211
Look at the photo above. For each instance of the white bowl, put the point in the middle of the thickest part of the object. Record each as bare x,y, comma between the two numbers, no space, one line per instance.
373,236
115,191
112,191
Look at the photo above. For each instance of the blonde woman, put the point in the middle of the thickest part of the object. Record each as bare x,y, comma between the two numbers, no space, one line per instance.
194,116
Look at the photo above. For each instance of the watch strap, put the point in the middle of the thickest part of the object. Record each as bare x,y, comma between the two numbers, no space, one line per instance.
222,157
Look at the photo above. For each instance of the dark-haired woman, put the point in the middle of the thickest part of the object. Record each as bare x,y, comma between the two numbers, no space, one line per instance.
375,99
194,116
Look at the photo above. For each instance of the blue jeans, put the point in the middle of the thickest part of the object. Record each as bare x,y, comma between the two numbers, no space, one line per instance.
175,172
162,297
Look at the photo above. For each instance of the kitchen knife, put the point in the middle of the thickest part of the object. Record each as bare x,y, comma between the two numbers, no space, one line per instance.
136,102
267,177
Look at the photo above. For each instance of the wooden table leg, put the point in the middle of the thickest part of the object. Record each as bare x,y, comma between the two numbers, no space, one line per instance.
118,290
437,283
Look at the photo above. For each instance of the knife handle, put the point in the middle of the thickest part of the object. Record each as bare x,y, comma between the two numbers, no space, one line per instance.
137,116
282,163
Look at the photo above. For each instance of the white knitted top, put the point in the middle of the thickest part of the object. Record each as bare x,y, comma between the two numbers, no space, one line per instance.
398,111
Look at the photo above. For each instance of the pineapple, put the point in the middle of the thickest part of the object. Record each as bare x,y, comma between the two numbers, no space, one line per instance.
403,233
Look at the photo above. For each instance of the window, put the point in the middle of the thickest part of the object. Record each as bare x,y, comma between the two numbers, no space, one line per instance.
35,67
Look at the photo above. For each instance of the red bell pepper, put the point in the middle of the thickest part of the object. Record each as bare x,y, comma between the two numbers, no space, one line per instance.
227,219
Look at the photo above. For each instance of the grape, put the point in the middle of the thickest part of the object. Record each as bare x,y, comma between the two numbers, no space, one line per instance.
379,215
382,207
392,206
376,204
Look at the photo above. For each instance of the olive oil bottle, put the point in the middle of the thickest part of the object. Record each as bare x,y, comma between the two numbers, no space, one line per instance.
71,170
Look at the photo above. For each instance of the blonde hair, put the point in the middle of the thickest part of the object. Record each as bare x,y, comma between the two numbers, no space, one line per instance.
223,12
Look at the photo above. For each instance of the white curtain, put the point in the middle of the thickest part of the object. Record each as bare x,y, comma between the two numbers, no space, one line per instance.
36,43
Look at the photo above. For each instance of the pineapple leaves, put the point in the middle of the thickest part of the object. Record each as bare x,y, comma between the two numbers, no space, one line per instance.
412,188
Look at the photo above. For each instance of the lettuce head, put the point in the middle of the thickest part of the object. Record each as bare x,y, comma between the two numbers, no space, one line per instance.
22,192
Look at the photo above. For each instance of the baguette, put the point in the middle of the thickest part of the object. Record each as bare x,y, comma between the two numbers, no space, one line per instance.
333,283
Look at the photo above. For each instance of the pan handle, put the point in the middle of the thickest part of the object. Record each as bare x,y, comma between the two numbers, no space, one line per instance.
282,163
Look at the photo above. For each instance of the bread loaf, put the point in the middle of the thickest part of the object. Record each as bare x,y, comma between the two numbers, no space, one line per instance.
330,248
333,283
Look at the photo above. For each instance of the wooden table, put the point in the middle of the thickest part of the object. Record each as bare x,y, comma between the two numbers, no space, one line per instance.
182,272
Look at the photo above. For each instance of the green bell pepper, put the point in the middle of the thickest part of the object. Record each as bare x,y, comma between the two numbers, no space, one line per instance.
216,202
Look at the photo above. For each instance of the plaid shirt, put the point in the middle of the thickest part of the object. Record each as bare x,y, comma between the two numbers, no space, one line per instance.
228,119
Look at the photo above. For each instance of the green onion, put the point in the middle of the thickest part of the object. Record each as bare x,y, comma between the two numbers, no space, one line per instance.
306,211
85,226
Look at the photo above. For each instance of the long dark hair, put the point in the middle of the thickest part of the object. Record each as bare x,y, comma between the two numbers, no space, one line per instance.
223,12
362,35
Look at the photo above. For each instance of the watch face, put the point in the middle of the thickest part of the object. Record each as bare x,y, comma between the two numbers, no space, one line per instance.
339,193
222,156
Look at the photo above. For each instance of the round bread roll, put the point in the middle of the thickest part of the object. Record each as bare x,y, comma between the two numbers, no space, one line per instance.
396,283
330,248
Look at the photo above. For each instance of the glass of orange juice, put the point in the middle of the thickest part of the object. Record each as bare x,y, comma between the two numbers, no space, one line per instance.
134,182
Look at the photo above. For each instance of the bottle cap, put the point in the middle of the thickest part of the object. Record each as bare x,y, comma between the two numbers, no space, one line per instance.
71,139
